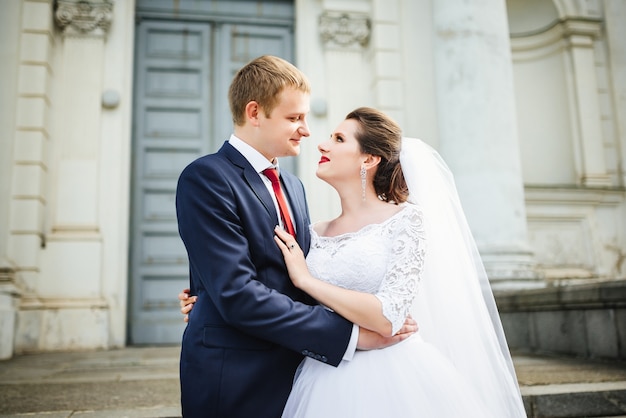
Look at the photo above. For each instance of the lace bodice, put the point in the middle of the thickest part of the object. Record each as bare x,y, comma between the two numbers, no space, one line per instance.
383,259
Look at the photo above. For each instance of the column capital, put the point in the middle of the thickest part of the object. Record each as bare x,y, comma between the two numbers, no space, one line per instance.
84,17
582,27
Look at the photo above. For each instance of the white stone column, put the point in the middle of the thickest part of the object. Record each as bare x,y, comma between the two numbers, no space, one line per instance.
478,133
580,35
615,16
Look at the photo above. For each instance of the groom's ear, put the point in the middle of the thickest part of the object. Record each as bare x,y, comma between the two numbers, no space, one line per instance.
252,112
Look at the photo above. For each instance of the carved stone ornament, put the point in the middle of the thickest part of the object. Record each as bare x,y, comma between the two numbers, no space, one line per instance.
345,29
84,17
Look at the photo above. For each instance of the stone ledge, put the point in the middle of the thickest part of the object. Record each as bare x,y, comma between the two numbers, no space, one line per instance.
607,294
584,320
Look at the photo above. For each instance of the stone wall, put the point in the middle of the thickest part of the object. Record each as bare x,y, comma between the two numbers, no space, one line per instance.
585,320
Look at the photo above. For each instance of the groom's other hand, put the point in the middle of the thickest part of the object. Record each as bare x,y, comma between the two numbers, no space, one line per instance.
370,340
186,303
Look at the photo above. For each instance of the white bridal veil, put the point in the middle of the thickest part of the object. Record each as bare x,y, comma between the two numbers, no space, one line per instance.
455,309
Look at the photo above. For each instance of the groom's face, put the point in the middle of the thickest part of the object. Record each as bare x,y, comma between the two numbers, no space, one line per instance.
284,128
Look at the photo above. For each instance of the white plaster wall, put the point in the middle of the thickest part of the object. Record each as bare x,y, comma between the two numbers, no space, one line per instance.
341,81
577,231
79,297
541,77
115,160
528,16
418,73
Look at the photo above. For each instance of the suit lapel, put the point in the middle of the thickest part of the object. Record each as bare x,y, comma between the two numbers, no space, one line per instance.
258,187
251,177
291,188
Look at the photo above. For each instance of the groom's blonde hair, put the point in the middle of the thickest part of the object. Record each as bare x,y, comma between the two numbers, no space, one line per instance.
262,80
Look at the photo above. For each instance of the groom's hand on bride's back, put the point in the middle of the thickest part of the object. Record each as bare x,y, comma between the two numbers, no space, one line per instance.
370,340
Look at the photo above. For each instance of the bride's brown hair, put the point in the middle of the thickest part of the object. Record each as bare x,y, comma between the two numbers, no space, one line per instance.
379,135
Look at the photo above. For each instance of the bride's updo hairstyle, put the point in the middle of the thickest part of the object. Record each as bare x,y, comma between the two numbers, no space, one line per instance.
379,135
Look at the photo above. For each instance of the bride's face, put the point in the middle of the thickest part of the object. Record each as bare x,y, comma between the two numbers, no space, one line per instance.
341,155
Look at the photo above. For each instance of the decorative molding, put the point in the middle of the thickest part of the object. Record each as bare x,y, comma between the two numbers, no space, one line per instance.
345,29
539,44
579,9
577,32
7,275
570,230
573,196
582,27
84,17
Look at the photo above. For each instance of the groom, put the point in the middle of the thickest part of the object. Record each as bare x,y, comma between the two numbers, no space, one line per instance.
250,327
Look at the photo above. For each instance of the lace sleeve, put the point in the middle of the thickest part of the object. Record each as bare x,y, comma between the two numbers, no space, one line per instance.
399,287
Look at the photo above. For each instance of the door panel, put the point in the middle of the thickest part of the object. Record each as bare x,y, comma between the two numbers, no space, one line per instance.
182,73
171,118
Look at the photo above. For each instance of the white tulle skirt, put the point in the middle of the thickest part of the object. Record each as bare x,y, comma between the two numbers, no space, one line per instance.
410,379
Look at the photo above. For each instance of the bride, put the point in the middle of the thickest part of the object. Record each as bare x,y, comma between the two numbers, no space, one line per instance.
400,246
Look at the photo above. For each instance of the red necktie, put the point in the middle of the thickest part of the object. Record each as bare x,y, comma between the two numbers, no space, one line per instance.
282,203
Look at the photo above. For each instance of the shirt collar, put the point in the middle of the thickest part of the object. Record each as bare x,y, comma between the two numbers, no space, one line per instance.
254,157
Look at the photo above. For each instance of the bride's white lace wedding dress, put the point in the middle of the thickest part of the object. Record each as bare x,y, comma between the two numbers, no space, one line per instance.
410,379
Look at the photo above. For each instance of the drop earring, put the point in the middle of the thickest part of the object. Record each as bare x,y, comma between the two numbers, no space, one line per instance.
363,173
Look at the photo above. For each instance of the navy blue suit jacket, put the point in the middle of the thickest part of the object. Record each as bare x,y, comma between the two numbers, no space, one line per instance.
250,327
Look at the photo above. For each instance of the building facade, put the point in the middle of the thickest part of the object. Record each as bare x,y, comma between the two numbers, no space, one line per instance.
103,102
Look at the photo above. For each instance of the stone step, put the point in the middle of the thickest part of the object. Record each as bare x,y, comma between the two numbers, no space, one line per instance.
143,382
565,387
606,399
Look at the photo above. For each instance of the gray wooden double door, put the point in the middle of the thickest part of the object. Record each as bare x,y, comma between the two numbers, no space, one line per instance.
182,73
